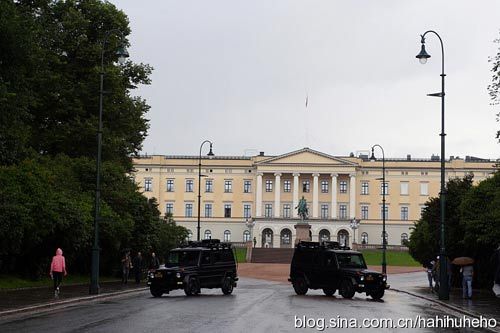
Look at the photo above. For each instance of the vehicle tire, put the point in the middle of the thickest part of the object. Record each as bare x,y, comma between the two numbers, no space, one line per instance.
377,294
227,285
191,286
329,291
300,285
347,289
156,292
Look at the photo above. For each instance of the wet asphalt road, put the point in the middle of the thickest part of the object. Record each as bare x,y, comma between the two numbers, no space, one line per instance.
255,306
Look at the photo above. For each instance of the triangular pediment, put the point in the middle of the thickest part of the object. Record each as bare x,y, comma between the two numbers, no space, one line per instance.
306,156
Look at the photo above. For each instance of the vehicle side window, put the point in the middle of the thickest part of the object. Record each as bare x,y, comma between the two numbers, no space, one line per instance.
216,257
205,258
227,255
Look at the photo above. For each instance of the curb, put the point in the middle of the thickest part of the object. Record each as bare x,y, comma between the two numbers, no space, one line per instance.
448,306
62,304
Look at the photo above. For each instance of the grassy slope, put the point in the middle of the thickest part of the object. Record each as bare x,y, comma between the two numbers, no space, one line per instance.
394,258
12,281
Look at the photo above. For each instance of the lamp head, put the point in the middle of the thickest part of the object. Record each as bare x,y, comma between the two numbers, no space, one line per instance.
122,54
210,153
423,55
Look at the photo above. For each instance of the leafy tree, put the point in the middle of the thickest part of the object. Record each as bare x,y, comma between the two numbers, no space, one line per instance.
170,235
494,87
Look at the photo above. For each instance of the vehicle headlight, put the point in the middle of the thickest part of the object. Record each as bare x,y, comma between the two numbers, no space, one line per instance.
361,278
178,275
384,278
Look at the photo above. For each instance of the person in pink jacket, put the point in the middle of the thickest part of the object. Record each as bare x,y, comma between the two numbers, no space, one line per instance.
57,270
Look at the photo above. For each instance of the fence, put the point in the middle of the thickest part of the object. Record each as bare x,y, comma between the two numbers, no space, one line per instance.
400,248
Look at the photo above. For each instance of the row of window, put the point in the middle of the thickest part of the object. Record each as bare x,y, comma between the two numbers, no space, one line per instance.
227,235
287,186
287,209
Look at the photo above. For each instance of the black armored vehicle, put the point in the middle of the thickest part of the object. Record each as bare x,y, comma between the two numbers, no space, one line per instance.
328,266
195,265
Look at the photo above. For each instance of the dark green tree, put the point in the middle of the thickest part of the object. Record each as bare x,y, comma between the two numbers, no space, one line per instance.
494,86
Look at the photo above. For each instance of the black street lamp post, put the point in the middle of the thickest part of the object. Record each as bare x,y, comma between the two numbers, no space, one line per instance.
122,55
384,212
444,292
210,155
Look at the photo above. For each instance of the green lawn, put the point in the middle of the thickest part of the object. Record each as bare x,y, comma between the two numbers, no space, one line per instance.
241,254
13,282
394,258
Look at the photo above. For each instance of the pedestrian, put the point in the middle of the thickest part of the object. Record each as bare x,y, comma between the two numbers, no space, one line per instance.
254,242
57,270
137,264
126,265
467,274
435,274
430,267
495,261
154,263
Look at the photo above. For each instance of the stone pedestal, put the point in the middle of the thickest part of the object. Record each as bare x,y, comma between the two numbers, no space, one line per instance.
302,232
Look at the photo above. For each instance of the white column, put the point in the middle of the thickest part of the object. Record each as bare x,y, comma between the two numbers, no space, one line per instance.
352,192
277,194
258,198
315,195
334,195
295,193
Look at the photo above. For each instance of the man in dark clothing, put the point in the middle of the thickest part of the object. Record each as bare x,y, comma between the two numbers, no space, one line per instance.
137,263
154,263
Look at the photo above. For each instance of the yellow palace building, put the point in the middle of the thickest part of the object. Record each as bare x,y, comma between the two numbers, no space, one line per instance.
243,197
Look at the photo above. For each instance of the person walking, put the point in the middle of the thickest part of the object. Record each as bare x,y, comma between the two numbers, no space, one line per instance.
429,268
137,264
57,270
126,265
154,263
467,274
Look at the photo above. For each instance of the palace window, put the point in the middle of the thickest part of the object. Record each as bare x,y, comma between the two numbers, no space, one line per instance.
287,186
269,185
148,185
189,210
343,186
404,213
227,210
228,186
404,239
209,185
382,212
227,236
324,186
247,211
343,211
247,186
246,236
364,238
364,212
384,188
404,188
324,211
208,234
189,185
365,188
170,185
208,210
424,188
286,210
268,210
169,208
306,186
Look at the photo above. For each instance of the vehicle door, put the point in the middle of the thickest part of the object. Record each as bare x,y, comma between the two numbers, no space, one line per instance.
317,270
205,269
330,270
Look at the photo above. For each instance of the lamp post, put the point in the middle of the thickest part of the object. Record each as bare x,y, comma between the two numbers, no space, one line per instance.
250,223
210,155
384,213
354,225
444,292
122,55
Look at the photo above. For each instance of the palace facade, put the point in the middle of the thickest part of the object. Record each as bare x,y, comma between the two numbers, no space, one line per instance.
243,197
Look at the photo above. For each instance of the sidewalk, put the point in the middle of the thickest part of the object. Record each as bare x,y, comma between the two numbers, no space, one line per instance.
29,297
483,302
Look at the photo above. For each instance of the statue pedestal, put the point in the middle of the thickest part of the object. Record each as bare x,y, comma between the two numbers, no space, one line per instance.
302,232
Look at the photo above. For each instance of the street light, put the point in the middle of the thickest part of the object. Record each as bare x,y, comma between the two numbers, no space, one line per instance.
122,54
210,155
444,292
354,225
250,223
384,241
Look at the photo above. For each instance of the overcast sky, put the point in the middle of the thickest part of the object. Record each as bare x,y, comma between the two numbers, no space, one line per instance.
238,72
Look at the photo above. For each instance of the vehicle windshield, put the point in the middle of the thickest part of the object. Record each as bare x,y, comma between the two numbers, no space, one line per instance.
351,260
182,258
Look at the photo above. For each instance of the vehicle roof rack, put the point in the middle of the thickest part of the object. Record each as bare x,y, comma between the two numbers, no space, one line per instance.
213,244
322,245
